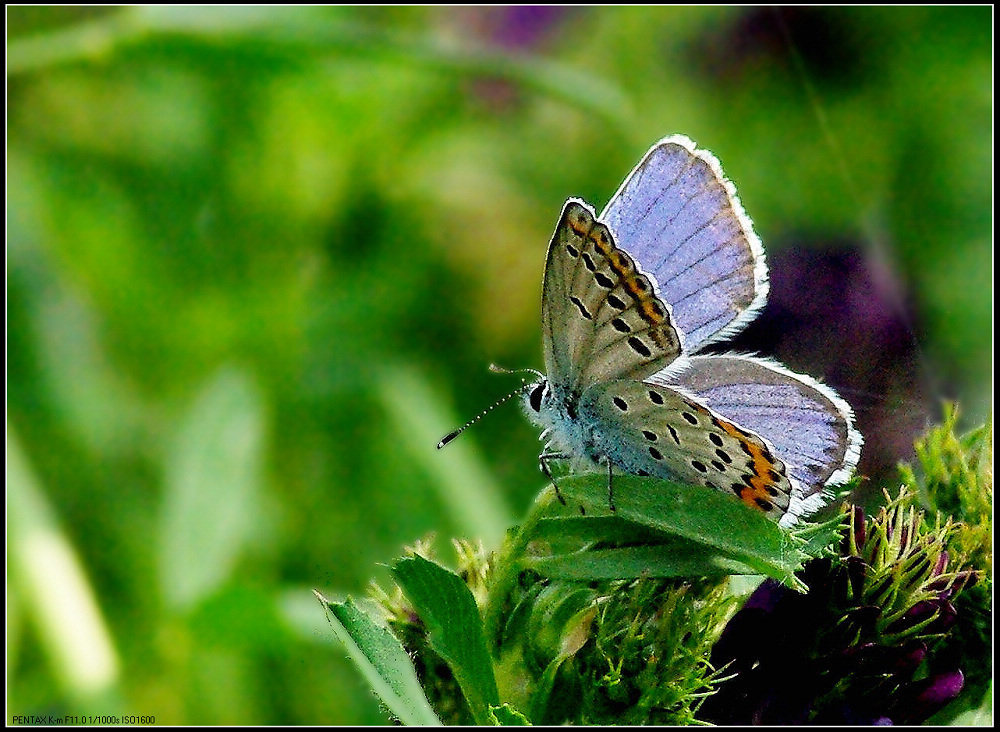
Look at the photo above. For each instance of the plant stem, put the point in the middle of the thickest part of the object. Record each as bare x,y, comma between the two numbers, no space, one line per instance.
508,566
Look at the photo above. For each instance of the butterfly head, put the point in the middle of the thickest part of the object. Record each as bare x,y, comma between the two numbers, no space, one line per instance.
534,396
537,399
552,410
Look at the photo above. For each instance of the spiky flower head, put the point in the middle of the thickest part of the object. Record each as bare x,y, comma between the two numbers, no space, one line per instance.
859,647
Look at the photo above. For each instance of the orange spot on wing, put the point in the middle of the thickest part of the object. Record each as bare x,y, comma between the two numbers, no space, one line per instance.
603,244
760,463
651,313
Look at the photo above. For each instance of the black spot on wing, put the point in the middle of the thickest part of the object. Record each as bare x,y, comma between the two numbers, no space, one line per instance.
639,347
583,308
604,281
620,325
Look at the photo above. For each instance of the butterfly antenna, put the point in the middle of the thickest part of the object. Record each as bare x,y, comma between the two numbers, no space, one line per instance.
501,370
455,433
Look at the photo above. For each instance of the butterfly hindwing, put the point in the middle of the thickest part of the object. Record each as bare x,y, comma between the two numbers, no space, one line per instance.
601,316
651,429
679,216
810,427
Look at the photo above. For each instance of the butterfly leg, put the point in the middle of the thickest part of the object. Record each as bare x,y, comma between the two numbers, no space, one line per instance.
543,465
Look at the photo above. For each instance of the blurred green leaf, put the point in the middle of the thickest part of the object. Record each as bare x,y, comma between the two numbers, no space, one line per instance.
454,628
382,661
304,29
980,715
213,474
54,589
465,486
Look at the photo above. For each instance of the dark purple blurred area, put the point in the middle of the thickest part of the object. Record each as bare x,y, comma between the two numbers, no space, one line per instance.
525,28
838,315
824,42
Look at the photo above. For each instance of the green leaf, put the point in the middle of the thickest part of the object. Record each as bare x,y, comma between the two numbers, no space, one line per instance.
506,716
454,628
705,517
673,557
821,538
213,474
572,530
383,662
647,552
542,696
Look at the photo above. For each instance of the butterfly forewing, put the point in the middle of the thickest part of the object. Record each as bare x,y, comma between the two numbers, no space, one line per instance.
652,429
601,316
681,219
562,329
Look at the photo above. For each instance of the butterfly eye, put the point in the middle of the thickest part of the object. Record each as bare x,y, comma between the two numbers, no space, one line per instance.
535,400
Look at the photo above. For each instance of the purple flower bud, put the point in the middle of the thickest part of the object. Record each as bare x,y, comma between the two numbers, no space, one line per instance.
859,527
946,618
941,566
965,580
766,597
910,658
904,535
940,689
916,615
924,698
856,575
864,618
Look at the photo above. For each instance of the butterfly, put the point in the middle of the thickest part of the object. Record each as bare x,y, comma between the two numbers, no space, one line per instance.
630,301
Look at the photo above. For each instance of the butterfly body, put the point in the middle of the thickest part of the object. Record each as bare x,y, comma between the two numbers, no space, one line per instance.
630,299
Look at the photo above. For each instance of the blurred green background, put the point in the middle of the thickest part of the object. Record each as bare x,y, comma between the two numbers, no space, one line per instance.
259,260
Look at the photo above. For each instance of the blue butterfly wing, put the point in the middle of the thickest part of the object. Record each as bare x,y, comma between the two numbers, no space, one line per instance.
810,428
681,220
